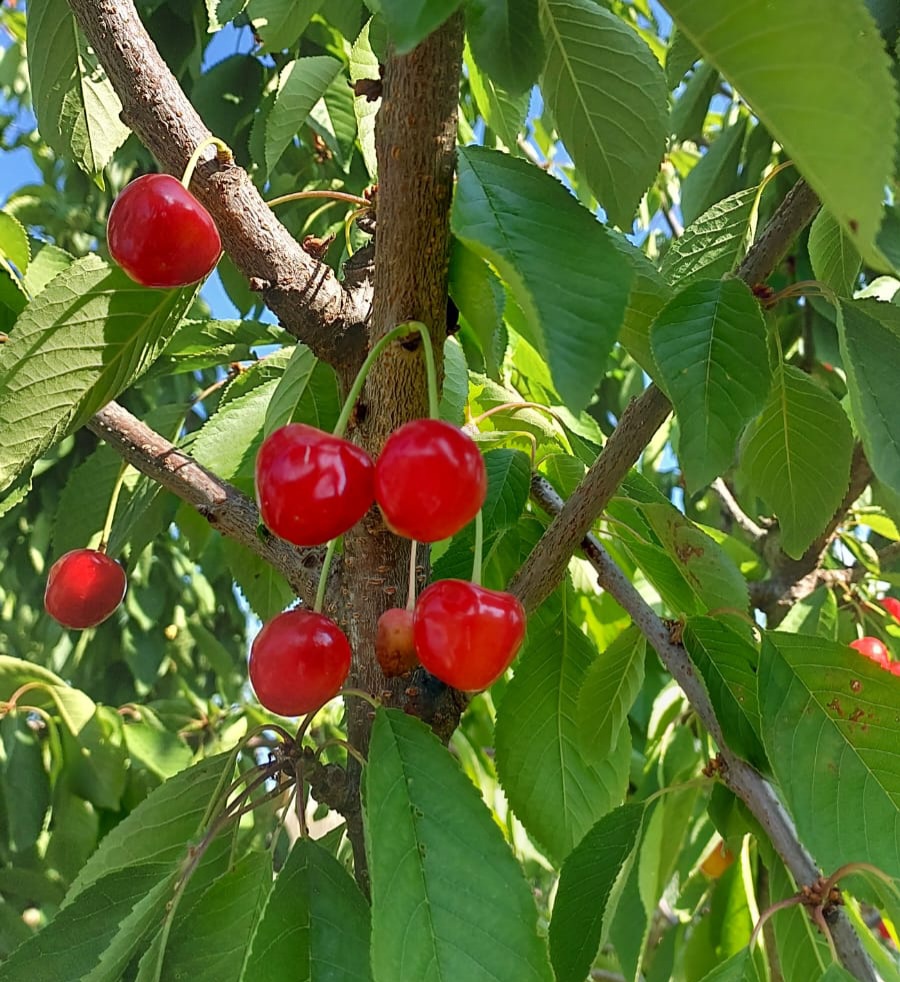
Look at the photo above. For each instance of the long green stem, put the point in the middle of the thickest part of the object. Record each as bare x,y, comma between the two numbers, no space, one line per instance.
111,510
353,199
323,576
479,547
400,331
223,152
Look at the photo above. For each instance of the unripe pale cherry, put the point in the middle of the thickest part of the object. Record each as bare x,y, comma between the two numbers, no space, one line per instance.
395,648
83,588
160,234
298,661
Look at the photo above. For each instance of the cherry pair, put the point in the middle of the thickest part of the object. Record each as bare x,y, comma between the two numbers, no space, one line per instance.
464,634
311,486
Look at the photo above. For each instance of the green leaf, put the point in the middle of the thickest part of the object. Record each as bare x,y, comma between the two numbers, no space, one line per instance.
25,789
332,117
455,390
78,344
506,41
279,24
503,113
834,258
151,745
207,344
607,93
93,938
315,926
557,789
869,334
586,884
14,245
300,86
610,688
478,294
739,967
710,345
411,21
364,65
158,830
502,209
715,174
713,244
84,501
74,100
818,77
816,614
829,725
289,389
265,589
210,943
782,457
96,759
222,12
727,660
690,108
448,898
47,262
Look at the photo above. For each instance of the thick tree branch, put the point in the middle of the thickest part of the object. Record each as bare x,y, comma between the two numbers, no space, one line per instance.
737,774
224,507
303,292
541,573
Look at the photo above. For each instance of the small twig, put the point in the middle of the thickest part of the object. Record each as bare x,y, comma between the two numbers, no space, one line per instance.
741,518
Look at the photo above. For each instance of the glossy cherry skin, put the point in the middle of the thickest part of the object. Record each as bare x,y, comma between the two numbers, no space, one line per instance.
160,234
84,587
892,606
873,649
467,635
430,480
395,648
298,661
312,486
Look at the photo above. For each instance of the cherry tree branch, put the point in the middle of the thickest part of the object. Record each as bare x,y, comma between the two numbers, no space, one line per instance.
220,503
758,795
305,294
542,572
738,515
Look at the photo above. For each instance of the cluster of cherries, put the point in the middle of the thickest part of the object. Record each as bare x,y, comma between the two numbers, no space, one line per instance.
429,482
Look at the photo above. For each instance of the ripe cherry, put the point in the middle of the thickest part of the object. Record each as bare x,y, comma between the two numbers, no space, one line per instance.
394,645
873,649
160,234
84,587
430,480
298,661
892,606
312,486
465,634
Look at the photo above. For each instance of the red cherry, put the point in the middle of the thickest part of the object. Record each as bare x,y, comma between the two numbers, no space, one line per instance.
892,606
312,486
160,234
298,661
430,480
84,587
394,645
467,635
873,649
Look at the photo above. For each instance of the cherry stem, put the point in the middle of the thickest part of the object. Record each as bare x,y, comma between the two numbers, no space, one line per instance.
353,199
400,331
323,576
348,223
411,593
479,546
514,405
768,912
849,868
223,153
337,742
111,510
362,694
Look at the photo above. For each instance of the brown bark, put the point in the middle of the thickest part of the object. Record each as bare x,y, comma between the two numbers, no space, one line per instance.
416,147
304,293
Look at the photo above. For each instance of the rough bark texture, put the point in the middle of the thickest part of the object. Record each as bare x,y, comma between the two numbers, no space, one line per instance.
221,504
303,292
416,146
